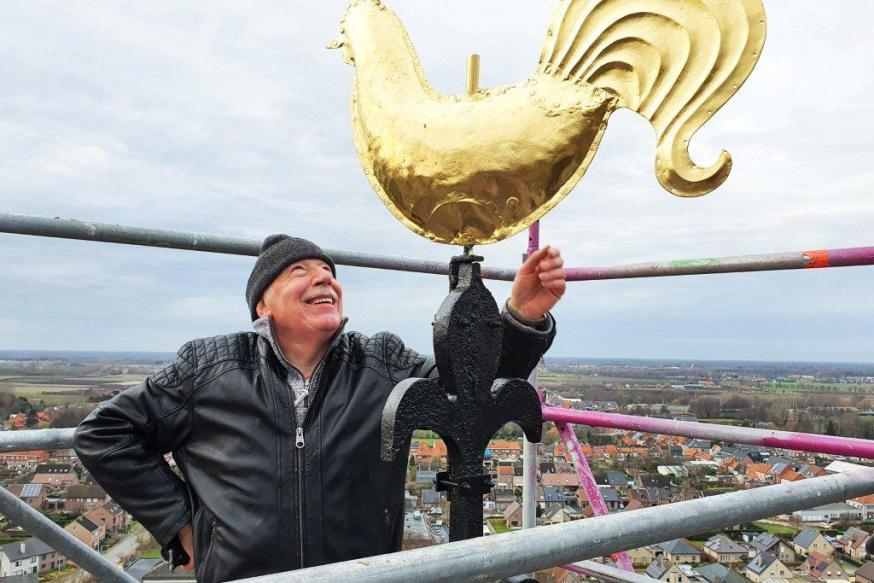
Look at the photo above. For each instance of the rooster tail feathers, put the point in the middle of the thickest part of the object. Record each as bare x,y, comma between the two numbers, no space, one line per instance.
675,62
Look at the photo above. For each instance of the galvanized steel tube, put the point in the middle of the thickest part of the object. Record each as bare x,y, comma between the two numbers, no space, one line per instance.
34,439
813,259
111,233
504,555
607,573
127,235
59,539
848,446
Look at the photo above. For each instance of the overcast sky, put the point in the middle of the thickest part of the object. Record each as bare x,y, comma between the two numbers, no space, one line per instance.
232,118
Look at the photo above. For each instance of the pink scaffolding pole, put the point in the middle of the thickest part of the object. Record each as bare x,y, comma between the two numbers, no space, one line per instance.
846,446
584,472
587,480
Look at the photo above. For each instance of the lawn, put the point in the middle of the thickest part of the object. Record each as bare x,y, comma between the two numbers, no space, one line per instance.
777,529
152,553
499,525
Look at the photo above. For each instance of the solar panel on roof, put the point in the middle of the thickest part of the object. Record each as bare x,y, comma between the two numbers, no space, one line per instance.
30,490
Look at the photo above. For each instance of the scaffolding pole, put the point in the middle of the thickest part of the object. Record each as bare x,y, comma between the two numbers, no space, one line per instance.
112,233
847,446
18,512
525,551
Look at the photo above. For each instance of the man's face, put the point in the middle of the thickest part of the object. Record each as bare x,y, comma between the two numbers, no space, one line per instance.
304,299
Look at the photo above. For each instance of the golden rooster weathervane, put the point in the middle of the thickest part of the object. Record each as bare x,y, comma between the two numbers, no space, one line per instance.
478,168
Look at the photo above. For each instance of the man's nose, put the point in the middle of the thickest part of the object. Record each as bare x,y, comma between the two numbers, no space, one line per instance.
322,277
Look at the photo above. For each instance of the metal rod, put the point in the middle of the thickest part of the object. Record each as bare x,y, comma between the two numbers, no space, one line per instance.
472,74
126,235
505,555
848,446
743,263
607,573
34,439
590,487
529,474
59,539
529,450
110,233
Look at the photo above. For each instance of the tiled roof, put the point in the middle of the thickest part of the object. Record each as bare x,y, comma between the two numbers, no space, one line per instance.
764,541
54,469
722,544
806,537
678,547
761,562
560,480
33,547
718,573
866,571
658,568
89,491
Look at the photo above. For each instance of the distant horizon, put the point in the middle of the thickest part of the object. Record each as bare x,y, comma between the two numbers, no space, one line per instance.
33,354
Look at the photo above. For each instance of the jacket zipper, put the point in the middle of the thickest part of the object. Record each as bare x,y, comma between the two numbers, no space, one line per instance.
299,444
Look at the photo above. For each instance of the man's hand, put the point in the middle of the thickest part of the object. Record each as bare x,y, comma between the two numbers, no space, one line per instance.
538,284
186,539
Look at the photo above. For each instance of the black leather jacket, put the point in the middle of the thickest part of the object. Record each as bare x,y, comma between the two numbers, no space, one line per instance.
259,503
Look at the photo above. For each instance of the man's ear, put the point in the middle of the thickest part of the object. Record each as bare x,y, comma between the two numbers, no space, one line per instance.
261,309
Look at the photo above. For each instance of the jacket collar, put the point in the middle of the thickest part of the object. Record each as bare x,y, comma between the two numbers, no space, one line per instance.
264,328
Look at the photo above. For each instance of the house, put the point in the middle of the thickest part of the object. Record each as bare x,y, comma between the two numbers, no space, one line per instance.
645,480
758,472
505,475
552,497
503,447
28,556
86,531
17,460
84,498
865,573
428,453
823,567
865,504
616,480
611,498
32,494
664,570
852,543
716,573
58,475
16,559
563,514
766,542
642,556
679,551
809,540
504,496
566,480
513,515
722,549
766,566
828,513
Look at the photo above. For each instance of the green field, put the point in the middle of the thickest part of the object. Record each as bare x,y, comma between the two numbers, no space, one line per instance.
499,525
55,390
784,387
777,529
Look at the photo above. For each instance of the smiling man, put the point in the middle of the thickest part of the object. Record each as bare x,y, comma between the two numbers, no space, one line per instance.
276,432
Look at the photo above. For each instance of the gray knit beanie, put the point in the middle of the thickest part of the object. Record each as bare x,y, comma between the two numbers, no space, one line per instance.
278,252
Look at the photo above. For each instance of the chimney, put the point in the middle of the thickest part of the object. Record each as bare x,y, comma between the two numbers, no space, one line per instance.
21,547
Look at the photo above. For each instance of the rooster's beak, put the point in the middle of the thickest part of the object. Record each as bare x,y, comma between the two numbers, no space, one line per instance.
337,43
